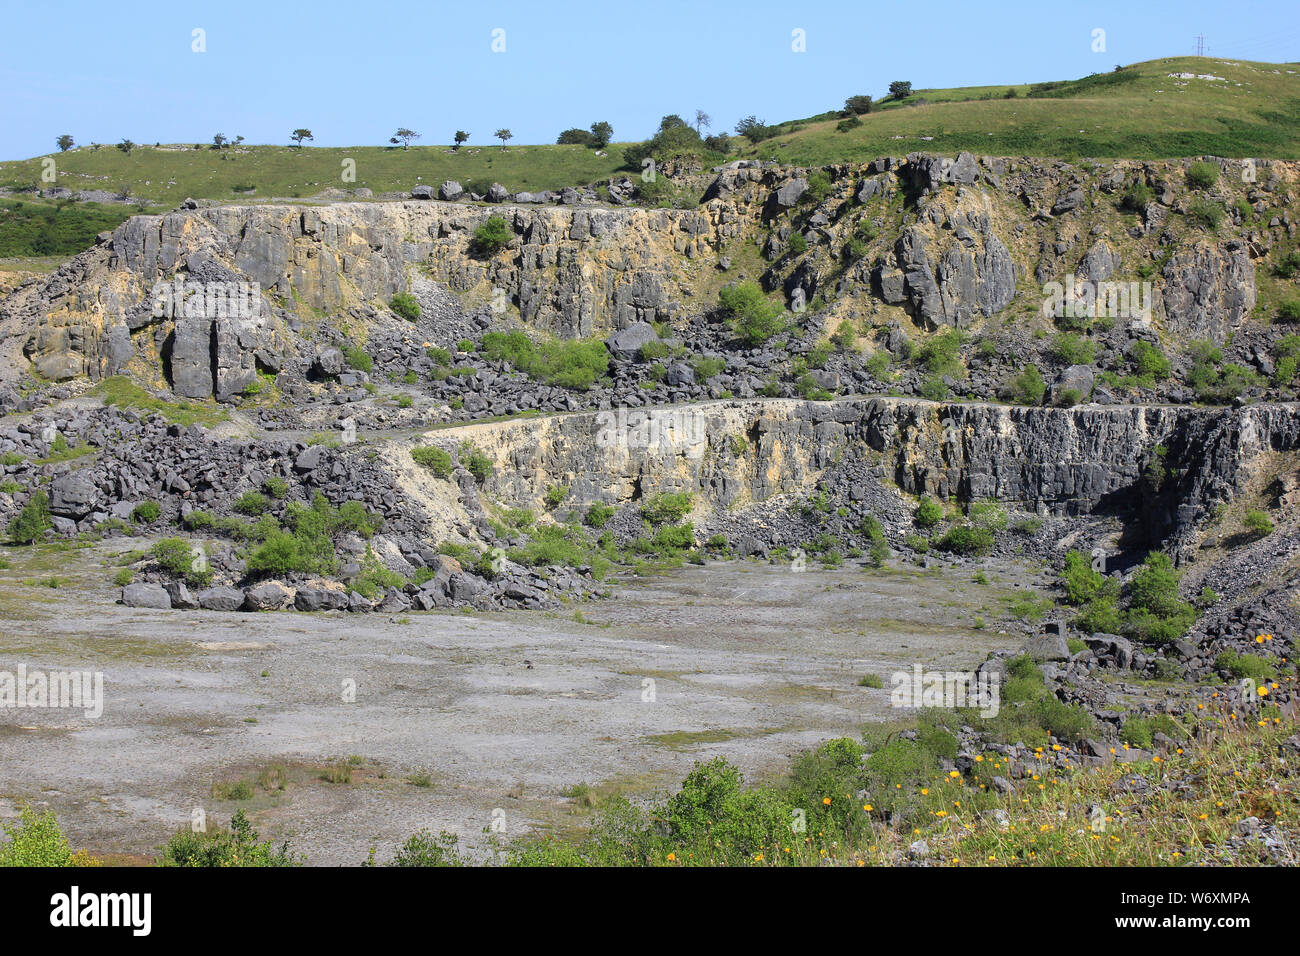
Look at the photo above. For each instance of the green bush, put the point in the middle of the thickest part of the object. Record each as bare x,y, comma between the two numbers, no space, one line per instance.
1287,266
965,539
1080,582
562,545
666,507
1214,382
357,358
755,320
672,537
1068,397
555,495
491,237
307,545
935,389
807,386
435,459
598,515
878,366
712,809
278,554
1156,613
375,578
1202,175
173,555
237,847
276,487
1100,615
36,839
1072,349
176,557
476,463
1288,310
1205,212
1141,731
566,364
353,516
425,849
988,514
941,354
1243,665
1258,523
33,521
252,503
797,245
146,512
405,305
1148,360
819,187
1027,388
854,249
928,513
706,368
654,350
1137,197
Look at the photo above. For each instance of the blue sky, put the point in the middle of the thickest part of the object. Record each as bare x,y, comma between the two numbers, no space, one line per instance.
354,72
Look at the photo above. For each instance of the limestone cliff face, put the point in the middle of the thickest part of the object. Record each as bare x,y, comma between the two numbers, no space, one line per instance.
568,271
733,455
924,240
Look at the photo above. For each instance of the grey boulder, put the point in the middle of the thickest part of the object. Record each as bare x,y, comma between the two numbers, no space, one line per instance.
627,342
73,496
320,599
221,599
146,595
271,596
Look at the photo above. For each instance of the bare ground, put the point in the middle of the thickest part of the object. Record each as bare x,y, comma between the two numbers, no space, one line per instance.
451,727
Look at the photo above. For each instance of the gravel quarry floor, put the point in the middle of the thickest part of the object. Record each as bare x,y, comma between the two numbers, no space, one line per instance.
467,723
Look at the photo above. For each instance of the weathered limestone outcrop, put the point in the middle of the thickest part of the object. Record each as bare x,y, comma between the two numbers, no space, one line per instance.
1081,461
932,241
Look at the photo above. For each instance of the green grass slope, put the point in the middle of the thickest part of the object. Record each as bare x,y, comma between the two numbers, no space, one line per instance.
168,174
1140,112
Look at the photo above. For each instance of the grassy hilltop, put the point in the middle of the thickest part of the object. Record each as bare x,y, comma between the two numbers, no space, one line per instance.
167,174
1139,112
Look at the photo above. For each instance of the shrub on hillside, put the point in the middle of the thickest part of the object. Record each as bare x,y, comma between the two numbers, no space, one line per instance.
1027,388
405,305
574,365
33,521
1202,175
491,237
928,513
966,539
754,318
435,459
